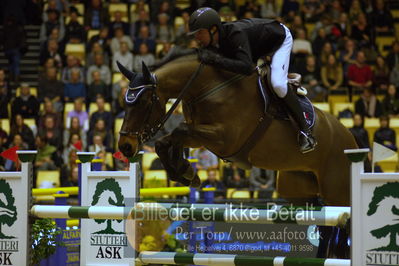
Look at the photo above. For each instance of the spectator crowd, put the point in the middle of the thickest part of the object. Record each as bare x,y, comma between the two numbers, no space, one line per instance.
335,49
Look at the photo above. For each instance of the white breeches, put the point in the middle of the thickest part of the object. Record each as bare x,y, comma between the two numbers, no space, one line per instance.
280,64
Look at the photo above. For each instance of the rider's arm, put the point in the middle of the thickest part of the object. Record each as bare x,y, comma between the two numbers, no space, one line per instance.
241,62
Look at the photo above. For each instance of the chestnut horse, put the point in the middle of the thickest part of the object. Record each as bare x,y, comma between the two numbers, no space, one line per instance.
221,111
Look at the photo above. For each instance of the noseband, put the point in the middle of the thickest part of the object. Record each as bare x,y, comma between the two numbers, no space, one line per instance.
147,131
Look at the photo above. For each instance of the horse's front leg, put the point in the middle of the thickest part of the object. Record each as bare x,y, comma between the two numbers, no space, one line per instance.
170,151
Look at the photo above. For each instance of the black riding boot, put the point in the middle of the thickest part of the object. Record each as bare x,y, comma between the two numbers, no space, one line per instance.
306,141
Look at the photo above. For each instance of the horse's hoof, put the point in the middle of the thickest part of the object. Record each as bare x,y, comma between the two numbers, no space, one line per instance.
189,173
196,182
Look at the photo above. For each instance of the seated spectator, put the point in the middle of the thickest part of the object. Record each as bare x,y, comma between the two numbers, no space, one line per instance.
60,6
4,95
97,144
362,32
143,20
234,177
118,39
270,9
74,31
74,129
368,105
394,76
354,11
262,181
326,51
26,104
96,49
144,37
381,18
103,39
392,58
174,120
119,103
3,135
72,63
96,88
50,62
99,129
51,89
385,135
390,104
48,111
20,128
143,57
165,32
312,10
301,48
78,112
211,181
96,16
104,164
166,47
72,178
47,157
72,141
52,133
297,25
17,141
117,89
348,56
380,75
311,80
165,7
341,29
334,9
74,88
290,6
100,66
138,7
183,29
124,57
249,6
360,74
361,135
101,114
206,159
53,21
331,74
118,23
51,51
318,43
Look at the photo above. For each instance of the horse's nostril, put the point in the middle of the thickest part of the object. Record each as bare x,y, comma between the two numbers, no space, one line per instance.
126,147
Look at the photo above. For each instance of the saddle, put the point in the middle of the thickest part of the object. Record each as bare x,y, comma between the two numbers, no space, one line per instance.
274,108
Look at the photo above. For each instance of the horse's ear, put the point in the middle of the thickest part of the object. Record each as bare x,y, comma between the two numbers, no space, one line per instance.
126,72
146,72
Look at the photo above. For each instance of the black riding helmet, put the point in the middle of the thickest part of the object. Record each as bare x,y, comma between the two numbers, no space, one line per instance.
203,18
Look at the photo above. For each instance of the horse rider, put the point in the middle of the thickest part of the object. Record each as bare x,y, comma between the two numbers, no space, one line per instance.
236,47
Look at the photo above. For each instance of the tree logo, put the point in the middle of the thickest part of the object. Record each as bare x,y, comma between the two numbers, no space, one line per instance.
390,189
116,199
8,211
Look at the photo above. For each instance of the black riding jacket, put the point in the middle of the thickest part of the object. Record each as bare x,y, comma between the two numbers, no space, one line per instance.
243,42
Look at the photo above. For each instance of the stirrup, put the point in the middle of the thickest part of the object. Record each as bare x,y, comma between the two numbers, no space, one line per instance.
310,142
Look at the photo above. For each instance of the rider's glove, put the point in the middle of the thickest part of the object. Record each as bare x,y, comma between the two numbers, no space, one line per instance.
208,57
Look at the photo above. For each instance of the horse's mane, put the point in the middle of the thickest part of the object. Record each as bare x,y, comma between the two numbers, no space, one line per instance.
175,53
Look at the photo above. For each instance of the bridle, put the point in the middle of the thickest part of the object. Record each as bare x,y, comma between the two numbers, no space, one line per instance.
147,131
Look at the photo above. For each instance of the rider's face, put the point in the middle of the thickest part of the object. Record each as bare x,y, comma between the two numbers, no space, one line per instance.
203,37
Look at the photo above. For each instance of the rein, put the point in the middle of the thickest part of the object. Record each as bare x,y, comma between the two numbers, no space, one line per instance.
148,132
